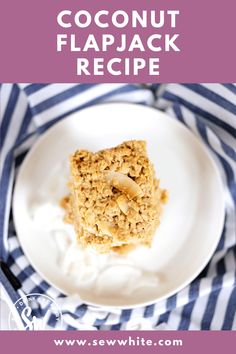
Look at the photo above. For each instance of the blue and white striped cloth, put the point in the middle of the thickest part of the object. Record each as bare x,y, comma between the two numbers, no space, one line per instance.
209,111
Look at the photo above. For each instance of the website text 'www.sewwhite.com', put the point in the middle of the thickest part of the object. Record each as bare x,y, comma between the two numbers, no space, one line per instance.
130,341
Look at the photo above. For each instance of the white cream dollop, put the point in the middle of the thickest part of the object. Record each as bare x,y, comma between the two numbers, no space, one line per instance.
103,274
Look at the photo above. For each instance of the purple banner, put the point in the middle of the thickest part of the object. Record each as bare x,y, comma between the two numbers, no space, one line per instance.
128,342
117,41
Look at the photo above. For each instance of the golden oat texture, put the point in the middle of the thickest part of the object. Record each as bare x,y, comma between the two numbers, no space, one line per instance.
115,200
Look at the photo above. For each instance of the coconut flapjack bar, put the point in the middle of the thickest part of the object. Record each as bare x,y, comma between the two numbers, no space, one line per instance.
115,200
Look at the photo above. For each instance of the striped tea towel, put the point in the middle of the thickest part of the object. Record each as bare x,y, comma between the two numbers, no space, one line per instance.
209,111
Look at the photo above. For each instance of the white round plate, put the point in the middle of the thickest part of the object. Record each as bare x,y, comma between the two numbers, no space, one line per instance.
191,223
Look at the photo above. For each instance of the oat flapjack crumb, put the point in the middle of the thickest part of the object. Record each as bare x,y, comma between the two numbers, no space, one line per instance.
115,200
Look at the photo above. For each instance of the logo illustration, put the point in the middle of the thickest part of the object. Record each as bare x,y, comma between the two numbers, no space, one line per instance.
35,312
